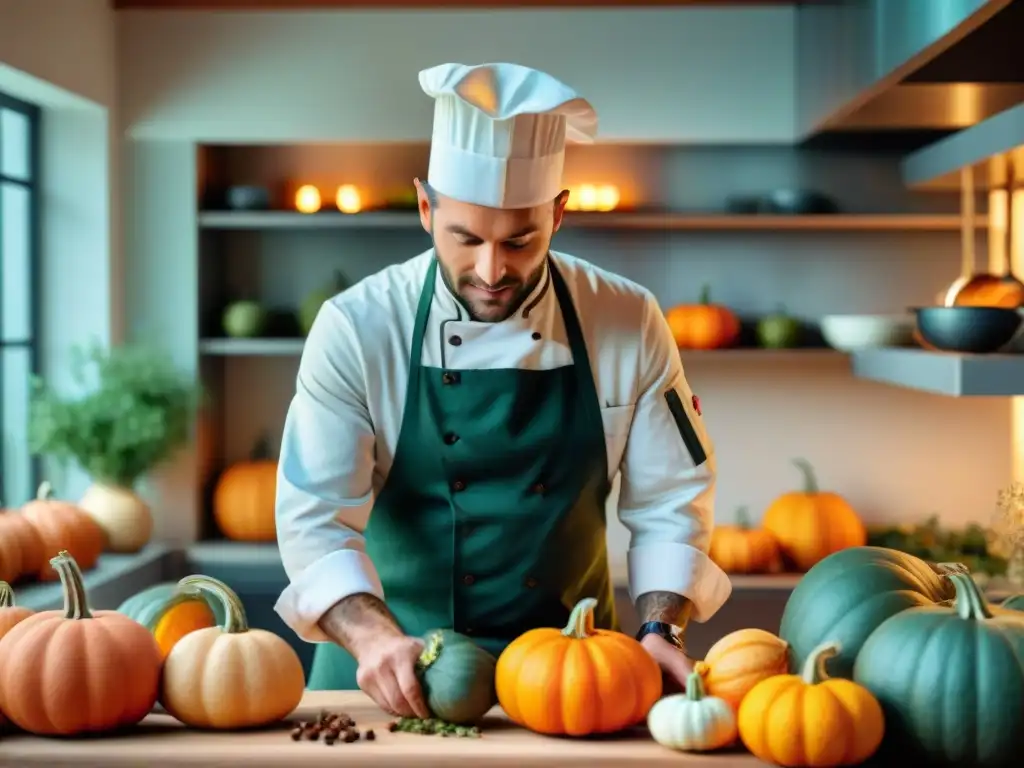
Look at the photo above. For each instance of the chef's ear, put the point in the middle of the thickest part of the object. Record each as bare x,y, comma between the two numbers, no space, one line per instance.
560,203
426,203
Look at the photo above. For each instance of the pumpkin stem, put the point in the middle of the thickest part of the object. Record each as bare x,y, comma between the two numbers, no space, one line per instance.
431,652
743,517
261,451
810,480
970,603
705,295
814,670
6,595
76,603
581,620
235,621
45,491
695,686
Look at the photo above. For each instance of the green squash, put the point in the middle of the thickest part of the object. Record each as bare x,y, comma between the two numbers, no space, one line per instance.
310,306
950,680
170,613
457,677
846,596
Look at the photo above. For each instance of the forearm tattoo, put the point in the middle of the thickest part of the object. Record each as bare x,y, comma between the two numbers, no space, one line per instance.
664,606
354,616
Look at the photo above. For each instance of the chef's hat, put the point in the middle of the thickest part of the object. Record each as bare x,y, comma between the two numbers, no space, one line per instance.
500,132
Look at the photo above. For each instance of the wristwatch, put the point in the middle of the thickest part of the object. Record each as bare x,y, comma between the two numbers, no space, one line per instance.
669,632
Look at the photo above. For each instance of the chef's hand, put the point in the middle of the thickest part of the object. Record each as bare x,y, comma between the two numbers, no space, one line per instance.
387,674
675,665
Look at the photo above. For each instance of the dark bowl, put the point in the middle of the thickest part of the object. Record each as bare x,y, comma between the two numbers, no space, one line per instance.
967,329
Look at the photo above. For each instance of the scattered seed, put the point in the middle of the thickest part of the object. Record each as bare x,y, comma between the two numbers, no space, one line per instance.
370,735
296,734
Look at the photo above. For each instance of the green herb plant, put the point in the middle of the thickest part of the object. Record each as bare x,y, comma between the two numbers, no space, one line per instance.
136,412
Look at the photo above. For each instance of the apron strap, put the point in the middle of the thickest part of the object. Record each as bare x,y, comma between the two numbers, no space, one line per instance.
586,388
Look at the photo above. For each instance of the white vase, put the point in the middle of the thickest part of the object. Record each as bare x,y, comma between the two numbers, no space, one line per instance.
124,517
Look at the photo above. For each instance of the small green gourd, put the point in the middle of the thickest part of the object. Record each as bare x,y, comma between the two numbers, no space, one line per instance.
457,677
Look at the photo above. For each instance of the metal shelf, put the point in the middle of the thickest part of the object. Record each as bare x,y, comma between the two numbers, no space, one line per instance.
943,373
623,220
251,347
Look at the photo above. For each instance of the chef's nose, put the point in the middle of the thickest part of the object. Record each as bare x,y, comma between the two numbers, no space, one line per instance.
490,266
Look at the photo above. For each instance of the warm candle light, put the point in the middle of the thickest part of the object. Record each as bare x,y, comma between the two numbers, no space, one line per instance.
307,199
348,199
607,197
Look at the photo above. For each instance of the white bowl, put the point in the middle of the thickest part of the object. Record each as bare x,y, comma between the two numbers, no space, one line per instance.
852,332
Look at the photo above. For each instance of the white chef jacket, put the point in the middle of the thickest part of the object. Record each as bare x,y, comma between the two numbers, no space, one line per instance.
343,424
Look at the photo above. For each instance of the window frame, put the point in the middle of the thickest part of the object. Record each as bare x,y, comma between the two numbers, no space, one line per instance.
34,117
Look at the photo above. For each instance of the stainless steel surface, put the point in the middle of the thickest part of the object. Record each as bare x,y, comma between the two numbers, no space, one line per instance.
906,64
989,148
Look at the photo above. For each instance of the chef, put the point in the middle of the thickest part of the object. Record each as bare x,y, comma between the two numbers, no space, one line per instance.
459,418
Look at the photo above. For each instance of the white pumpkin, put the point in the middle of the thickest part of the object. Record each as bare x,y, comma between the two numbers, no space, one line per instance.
122,514
691,721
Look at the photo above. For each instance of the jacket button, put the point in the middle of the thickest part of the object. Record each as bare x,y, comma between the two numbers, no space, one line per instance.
530,582
459,485
538,488
451,438
455,341
450,377
536,336
468,579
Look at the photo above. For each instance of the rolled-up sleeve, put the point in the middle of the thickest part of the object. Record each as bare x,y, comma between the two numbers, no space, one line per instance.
325,478
668,481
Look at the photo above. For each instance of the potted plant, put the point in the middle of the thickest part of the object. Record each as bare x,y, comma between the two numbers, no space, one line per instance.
135,411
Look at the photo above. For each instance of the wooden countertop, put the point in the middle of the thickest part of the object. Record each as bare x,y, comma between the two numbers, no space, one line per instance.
162,741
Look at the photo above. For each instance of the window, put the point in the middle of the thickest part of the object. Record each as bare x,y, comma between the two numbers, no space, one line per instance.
19,249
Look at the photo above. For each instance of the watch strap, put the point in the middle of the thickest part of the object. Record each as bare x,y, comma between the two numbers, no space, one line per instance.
668,632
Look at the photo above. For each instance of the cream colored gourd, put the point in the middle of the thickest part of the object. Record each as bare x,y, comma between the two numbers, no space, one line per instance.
124,517
230,676
691,721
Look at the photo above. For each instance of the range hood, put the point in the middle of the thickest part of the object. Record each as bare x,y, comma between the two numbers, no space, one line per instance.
907,65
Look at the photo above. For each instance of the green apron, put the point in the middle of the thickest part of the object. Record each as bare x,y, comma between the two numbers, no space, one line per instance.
492,519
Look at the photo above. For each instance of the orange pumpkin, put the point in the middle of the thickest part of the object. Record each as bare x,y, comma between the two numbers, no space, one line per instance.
811,719
812,524
243,502
21,548
10,614
742,549
549,680
704,325
741,660
77,671
63,526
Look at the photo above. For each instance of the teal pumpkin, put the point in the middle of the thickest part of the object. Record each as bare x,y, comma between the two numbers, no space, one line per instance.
950,680
846,596
170,614
1013,603
457,677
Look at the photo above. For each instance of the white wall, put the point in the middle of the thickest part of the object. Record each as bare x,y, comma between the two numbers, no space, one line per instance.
59,54
674,75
